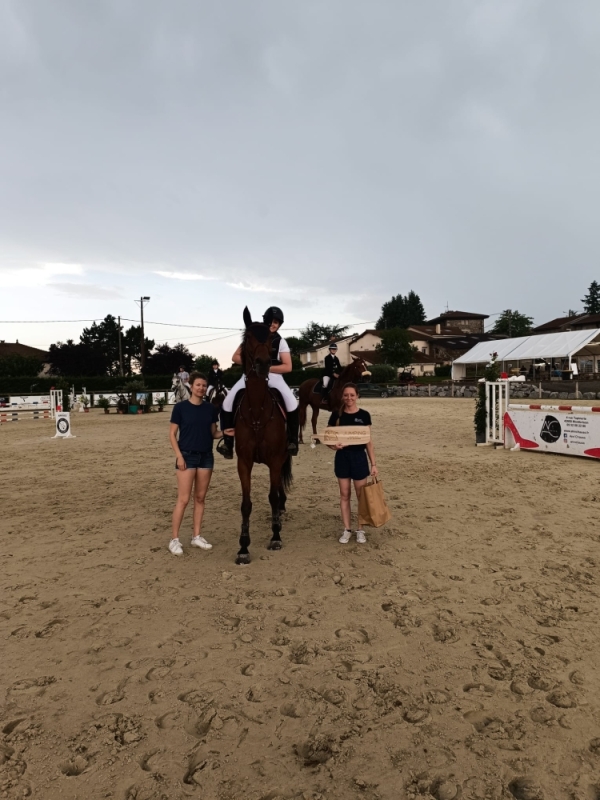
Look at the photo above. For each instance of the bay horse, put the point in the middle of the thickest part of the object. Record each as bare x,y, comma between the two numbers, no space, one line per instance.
260,434
352,373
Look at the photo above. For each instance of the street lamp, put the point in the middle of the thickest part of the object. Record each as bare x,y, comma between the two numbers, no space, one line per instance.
141,302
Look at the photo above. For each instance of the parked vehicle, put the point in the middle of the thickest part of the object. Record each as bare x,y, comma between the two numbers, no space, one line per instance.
373,390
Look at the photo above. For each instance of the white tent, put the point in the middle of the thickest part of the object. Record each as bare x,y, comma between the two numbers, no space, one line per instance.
526,348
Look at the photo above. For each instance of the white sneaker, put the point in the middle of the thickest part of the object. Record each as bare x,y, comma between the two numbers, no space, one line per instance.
345,537
360,537
200,541
175,547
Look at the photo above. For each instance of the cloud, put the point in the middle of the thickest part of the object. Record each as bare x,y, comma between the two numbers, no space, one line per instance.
32,276
184,276
87,291
246,286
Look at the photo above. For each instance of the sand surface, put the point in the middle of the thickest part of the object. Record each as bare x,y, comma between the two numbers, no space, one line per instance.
454,655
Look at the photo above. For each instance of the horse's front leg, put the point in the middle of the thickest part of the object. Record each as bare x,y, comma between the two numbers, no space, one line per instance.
301,421
245,473
274,498
315,417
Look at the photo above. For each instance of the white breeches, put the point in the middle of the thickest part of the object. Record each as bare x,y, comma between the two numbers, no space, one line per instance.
275,381
326,380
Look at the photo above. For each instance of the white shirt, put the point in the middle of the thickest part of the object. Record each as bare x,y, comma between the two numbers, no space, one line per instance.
185,376
283,347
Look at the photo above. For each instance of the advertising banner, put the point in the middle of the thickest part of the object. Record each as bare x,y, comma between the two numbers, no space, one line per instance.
552,430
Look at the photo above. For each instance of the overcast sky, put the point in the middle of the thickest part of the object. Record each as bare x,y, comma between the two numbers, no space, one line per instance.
322,155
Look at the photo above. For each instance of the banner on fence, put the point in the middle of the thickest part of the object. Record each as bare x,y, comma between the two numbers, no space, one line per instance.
573,433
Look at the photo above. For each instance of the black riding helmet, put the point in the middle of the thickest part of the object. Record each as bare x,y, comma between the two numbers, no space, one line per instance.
273,313
333,346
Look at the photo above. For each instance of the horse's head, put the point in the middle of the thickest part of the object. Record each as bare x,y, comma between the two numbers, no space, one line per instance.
358,370
256,347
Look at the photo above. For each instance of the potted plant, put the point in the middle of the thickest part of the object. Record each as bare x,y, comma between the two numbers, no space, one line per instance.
491,373
161,403
85,401
104,402
133,387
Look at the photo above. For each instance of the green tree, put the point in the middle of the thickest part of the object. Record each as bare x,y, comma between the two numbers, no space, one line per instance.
315,334
132,347
401,312
166,360
512,324
396,347
204,363
76,359
103,338
15,366
591,302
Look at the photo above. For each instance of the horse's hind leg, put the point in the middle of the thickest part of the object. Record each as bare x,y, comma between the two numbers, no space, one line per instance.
245,473
315,417
301,421
274,497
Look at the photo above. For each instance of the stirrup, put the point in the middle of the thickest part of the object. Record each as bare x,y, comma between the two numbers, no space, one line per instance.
224,450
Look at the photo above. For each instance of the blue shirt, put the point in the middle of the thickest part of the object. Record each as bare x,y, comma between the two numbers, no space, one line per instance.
194,425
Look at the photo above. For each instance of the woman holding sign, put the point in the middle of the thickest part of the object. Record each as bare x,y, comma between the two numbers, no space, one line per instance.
351,462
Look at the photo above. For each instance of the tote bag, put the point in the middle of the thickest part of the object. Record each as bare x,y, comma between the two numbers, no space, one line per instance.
372,509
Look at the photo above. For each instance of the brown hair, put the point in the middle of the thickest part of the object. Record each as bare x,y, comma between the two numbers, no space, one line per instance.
340,409
350,385
195,376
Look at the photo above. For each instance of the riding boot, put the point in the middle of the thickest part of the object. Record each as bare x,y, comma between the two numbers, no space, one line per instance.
225,446
292,431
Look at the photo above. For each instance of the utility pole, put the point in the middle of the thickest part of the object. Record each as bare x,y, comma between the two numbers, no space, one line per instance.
141,301
120,350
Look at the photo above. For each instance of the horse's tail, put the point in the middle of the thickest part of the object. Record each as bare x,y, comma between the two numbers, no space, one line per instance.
286,473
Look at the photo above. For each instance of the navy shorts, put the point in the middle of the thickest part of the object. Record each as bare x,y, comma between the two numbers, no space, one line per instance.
194,460
351,464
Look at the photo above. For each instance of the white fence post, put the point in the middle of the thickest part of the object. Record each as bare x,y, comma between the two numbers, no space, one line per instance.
496,401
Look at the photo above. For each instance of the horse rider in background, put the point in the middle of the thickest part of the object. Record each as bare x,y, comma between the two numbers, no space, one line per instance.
184,376
281,362
215,378
332,369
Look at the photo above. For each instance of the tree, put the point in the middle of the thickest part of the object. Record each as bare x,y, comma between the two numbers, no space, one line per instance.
204,364
401,312
512,323
15,366
78,360
103,338
591,302
315,334
132,349
167,360
396,347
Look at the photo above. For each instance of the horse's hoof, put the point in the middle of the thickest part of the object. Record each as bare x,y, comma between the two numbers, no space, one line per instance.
243,558
275,544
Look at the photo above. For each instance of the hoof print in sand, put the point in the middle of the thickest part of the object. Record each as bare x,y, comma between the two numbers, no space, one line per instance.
74,766
525,789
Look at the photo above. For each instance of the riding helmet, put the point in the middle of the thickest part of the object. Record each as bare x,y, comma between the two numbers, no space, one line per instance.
273,313
333,346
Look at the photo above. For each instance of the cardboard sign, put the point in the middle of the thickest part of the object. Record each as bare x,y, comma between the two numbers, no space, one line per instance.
63,425
347,434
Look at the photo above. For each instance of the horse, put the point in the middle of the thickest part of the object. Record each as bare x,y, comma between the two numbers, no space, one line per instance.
352,373
182,392
218,395
260,434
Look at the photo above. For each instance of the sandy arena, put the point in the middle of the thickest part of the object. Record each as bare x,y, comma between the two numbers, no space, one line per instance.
453,656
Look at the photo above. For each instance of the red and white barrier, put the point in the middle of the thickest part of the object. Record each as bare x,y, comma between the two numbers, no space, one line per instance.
24,415
568,430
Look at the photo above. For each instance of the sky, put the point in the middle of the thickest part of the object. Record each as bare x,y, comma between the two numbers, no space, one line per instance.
320,155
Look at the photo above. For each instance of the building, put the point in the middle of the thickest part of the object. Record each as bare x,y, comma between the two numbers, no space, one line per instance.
464,321
315,357
8,349
573,322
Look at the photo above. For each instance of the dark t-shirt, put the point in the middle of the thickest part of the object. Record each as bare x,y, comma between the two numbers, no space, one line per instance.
194,425
360,417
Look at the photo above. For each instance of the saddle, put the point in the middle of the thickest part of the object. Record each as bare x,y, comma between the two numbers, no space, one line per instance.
275,394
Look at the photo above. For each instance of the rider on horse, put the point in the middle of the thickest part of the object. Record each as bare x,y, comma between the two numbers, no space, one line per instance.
215,378
332,369
184,376
281,362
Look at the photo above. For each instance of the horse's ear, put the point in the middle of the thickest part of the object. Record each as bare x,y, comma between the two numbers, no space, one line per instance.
247,318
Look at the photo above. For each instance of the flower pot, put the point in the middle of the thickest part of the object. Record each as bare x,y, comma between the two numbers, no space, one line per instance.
140,411
161,408
86,409
133,409
479,437
106,411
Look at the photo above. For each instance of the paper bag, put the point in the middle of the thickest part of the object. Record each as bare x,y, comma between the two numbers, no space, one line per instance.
372,509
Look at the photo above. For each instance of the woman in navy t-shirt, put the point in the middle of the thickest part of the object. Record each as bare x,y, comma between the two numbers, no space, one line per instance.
196,422
351,460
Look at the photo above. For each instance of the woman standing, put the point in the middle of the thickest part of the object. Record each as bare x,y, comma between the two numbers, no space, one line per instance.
351,460
196,422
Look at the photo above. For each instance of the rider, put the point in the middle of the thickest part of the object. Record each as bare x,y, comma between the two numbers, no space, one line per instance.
281,362
184,376
332,369
215,378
